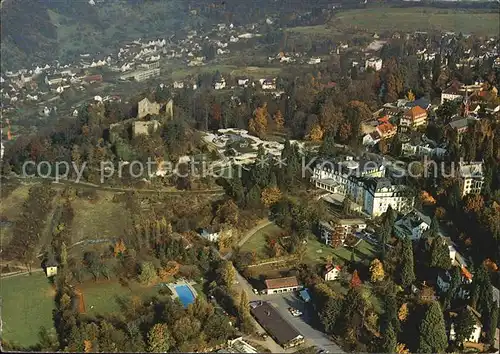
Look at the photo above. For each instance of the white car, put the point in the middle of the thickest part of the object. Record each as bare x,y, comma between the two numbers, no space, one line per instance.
294,312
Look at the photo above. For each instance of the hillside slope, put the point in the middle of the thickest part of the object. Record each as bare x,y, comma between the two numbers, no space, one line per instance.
37,32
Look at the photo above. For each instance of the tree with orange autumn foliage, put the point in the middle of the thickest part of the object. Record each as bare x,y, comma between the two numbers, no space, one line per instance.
119,248
258,124
355,280
87,346
316,133
270,196
473,203
401,349
279,120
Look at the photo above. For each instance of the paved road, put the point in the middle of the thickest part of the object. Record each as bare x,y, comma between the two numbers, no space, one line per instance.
282,302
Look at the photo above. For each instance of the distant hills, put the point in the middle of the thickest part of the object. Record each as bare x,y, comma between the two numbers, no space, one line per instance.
37,32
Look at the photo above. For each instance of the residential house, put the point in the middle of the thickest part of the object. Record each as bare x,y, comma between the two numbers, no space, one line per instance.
476,332
413,225
335,232
243,82
471,178
443,282
281,285
374,63
50,267
452,92
278,328
141,75
220,84
313,61
53,80
371,139
331,272
178,85
386,130
210,234
413,118
461,126
268,84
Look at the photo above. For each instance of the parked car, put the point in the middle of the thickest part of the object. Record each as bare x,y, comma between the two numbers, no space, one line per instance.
255,291
294,312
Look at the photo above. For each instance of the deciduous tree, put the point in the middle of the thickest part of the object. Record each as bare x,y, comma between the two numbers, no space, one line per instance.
377,271
159,339
270,196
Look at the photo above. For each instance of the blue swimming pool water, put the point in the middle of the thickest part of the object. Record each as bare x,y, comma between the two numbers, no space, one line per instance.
185,294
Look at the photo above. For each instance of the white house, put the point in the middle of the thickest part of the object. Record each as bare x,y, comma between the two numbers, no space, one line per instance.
412,225
313,61
220,84
210,235
268,84
471,177
243,82
380,193
374,63
178,85
281,285
331,272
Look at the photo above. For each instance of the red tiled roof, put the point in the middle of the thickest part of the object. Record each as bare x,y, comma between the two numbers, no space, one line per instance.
415,112
386,128
278,283
384,119
466,273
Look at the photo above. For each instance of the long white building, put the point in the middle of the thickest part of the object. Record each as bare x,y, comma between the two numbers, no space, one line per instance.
364,182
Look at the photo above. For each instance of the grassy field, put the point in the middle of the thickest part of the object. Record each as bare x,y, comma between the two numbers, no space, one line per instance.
98,219
102,297
27,303
319,30
11,206
318,252
379,19
257,243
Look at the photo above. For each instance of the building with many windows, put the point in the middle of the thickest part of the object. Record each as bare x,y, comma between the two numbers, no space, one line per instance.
471,178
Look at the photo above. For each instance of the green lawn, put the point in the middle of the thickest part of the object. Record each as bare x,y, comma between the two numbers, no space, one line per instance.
377,19
27,303
257,243
318,252
319,30
102,297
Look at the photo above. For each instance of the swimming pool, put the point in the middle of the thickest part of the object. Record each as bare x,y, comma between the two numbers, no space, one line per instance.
185,294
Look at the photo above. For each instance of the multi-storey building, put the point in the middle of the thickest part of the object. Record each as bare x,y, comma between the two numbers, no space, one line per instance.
414,118
471,177
363,181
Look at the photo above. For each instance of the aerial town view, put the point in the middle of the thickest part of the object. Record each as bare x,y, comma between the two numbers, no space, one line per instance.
266,176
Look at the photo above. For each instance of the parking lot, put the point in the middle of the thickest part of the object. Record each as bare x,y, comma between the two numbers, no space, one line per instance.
302,323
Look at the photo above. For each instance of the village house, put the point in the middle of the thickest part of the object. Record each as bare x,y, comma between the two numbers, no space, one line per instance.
340,229
461,126
268,84
238,345
211,234
220,84
471,177
413,118
413,225
374,63
331,272
386,130
281,285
